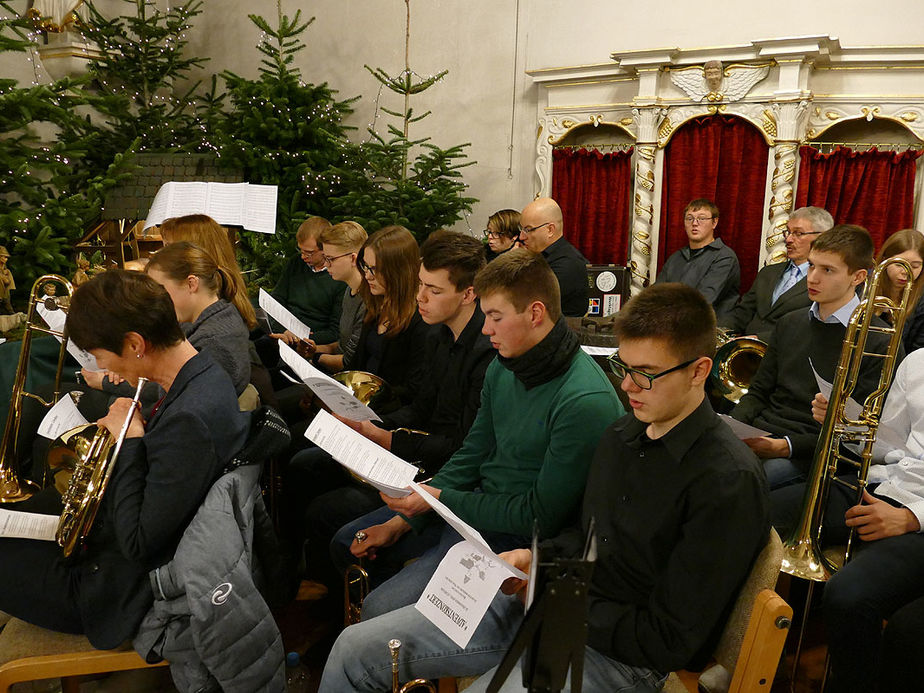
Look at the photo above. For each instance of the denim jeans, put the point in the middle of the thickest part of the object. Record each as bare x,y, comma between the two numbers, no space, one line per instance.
601,675
408,584
781,472
360,660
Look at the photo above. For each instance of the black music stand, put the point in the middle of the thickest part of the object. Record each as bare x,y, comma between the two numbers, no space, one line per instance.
553,633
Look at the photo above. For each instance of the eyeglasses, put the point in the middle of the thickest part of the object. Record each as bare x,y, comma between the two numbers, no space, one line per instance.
697,220
486,234
640,378
799,234
364,268
530,229
328,260
309,253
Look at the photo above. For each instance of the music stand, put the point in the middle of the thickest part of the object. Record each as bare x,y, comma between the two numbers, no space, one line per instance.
553,632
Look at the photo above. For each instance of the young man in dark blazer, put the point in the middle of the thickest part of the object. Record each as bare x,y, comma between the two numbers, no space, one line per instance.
780,288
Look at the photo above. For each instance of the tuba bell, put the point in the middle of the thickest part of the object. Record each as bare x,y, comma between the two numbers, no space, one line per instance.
736,361
89,454
802,554
368,388
13,488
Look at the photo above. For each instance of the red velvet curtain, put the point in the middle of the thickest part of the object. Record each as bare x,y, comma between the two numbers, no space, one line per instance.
724,159
594,191
872,189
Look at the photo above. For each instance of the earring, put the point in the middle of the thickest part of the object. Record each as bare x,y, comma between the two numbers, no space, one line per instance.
139,356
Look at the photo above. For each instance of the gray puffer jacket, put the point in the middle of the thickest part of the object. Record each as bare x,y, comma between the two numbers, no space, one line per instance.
209,620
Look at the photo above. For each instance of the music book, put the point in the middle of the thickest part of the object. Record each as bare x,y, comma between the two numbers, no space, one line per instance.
16,524
370,462
230,204
283,315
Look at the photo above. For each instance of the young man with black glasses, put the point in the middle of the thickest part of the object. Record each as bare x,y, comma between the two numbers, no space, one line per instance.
680,511
705,263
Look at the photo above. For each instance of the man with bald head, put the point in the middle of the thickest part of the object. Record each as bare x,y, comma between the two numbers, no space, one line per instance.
541,231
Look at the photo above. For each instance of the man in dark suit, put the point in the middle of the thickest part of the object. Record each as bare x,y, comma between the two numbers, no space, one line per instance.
780,288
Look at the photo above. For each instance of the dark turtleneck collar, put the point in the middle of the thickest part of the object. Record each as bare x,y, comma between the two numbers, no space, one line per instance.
547,360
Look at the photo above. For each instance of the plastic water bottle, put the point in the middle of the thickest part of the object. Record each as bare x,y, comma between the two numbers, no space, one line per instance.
296,674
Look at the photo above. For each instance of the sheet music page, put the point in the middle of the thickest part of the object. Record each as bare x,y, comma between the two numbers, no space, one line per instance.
60,418
281,314
338,397
226,203
852,408
188,198
387,472
55,319
158,211
743,430
468,532
260,208
461,589
599,351
20,525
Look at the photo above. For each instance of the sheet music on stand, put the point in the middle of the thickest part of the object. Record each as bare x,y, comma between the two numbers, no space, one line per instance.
553,633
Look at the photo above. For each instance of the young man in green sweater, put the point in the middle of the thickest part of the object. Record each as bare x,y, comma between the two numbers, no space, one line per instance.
307,289
544,405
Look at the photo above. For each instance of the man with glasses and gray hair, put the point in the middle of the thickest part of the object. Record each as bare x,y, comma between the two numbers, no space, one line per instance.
541,231
780,288
705,263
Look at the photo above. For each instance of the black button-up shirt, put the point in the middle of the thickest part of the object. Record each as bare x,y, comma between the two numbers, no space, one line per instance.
570,267
679,522
448,400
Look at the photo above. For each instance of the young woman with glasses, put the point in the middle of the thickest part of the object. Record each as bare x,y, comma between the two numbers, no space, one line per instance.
502,232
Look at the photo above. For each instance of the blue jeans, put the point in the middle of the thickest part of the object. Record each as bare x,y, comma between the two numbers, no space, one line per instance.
360,660
430,545
781,472
601,675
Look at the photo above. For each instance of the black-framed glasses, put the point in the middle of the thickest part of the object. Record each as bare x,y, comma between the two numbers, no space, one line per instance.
640,378
530,229
487,233
697,220
363,267
328,259
799,234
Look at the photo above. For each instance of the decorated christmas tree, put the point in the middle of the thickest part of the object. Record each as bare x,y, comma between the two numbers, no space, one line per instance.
286,132
48,194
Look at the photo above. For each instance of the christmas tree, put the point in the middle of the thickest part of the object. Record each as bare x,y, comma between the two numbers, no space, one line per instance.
286,132
48,194
393,179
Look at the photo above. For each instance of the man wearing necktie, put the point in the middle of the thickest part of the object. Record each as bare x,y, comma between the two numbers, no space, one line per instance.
780,288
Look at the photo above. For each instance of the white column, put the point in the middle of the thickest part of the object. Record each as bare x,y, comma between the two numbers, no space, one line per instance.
789,124
641,260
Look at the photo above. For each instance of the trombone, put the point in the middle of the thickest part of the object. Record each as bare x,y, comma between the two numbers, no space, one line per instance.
802,556
13,488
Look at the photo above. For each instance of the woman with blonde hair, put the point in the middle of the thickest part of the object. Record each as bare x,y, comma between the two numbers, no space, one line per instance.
205,232
909,245
202,292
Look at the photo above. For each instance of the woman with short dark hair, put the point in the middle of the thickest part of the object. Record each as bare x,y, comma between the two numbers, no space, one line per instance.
164,470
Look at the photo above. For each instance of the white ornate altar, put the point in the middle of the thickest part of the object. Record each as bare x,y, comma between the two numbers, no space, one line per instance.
792,89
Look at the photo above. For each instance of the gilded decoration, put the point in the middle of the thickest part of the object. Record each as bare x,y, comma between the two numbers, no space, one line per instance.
713,83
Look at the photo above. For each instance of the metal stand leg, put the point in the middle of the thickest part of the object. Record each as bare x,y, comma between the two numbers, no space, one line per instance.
802,626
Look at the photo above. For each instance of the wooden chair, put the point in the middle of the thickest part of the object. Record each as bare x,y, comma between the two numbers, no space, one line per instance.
30,653
752,641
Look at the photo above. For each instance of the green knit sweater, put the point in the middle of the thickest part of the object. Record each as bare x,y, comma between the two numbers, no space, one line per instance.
312,297
528,451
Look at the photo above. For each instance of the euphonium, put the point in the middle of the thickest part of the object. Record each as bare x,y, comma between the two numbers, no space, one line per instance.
394,647
91,453
736,361
12,487
802,556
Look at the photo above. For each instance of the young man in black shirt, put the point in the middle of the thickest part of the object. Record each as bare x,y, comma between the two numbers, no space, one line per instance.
681,512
